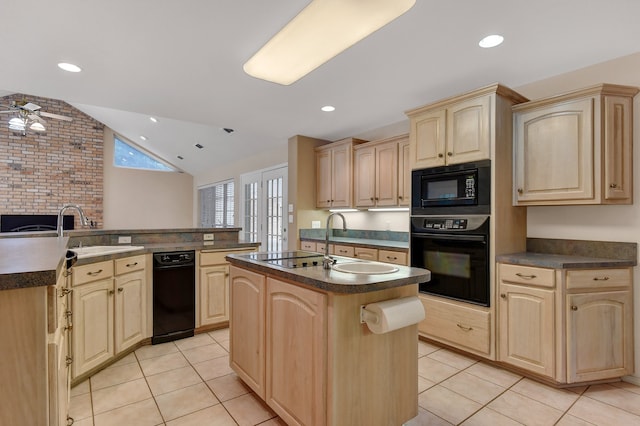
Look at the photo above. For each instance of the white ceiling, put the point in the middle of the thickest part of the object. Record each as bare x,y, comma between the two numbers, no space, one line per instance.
181,61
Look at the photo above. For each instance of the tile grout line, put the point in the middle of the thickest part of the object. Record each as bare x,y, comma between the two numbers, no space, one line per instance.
149,387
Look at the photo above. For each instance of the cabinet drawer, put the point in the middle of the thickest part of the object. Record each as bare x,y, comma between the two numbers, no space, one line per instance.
598,278
527,275
457,325
129,264
92,272
365,253
307,245
320,248
347,251
390,256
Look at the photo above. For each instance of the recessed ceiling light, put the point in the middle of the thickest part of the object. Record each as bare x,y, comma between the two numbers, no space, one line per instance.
155,120
143,137
328,108
491,41
199,146
69,67
228,130
180,157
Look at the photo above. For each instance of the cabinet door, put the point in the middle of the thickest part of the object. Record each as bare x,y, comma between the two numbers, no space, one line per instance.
93,325
130,309
296,353
386,174
364,180
214,294
469,130
404,174
58,379
323,178
599,335
526,328
617,148
246,326
554,153
341,173
427,143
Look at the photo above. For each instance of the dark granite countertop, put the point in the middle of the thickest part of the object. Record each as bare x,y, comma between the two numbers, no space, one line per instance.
35,261
562,261
364,242
333,281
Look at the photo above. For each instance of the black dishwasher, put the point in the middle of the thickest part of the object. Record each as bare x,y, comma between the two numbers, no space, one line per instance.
174,296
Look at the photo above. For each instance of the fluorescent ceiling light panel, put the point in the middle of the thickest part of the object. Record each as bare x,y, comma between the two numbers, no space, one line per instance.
321,31
491,41
69,67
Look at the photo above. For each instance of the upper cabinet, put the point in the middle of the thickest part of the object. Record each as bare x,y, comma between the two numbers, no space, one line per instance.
575,148
456,130
380,175
334,173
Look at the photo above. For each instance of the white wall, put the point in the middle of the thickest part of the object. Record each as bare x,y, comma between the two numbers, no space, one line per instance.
598,223
263,160
139,199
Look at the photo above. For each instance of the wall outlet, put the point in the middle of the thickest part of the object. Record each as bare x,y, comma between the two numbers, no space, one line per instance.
207,237
315,224
124,240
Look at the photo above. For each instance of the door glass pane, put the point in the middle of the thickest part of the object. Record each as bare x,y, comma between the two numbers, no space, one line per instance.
274,214
251,212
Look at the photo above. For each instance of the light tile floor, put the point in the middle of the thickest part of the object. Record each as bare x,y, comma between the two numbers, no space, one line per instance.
189,382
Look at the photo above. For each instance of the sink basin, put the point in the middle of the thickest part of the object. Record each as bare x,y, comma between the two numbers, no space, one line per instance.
365,268
90,251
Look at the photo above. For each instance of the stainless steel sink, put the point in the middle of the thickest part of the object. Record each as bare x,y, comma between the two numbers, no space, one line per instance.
369,268
91,251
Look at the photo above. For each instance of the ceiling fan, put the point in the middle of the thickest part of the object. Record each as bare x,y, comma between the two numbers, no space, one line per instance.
29,115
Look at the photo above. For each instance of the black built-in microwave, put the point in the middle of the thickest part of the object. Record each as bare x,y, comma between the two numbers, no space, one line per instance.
456,189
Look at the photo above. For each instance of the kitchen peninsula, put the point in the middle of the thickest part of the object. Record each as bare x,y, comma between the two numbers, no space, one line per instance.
46,338
297,340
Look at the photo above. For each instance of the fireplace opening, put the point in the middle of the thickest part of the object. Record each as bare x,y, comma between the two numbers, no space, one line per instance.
34,222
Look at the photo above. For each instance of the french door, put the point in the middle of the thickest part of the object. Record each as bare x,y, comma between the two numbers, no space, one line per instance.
264,197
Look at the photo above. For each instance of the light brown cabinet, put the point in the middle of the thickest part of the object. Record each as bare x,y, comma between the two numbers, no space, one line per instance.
404,172
213,287
455,130
376,173
334,174
109,312
365,253
575,148
570,326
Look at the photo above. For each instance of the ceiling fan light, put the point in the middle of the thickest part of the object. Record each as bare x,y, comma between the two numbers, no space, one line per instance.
17,123
321,31
38,127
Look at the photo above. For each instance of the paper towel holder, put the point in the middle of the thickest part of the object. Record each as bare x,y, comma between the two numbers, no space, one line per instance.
366,315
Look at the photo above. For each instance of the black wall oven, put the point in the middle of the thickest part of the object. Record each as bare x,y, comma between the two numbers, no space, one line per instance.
456,251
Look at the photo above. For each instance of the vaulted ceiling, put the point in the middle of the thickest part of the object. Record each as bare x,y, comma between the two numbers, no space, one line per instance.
182,63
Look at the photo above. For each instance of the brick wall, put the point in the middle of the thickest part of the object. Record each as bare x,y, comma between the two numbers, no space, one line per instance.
40,172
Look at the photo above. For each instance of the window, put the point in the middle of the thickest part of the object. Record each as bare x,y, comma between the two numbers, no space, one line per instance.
216,205
125,155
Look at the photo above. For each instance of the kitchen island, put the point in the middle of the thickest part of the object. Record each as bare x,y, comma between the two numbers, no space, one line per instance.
298,342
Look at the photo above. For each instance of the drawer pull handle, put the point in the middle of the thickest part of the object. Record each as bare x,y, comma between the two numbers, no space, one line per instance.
69,360
131,265
392,258
520,191
440,155
574,308
613,185
601,278
450,154
504,296
465,328
68,327
99,271
525,276
111,292
120,289
342,251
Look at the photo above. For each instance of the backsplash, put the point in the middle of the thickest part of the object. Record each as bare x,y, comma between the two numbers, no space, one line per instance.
585,248
319,234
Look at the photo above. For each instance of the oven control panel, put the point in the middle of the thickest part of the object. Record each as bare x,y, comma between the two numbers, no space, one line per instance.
445,223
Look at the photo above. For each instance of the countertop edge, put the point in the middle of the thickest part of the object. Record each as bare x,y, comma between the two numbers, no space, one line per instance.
558,261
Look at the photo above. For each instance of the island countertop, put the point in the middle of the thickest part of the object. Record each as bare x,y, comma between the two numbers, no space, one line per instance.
330,280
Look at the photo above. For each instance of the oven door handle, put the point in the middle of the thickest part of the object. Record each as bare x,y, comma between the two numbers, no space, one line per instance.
452,237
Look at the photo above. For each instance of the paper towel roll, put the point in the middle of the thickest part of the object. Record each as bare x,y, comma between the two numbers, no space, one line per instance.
390,315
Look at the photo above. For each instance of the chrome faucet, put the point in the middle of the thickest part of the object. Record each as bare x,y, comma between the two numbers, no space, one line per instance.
83,218
327,261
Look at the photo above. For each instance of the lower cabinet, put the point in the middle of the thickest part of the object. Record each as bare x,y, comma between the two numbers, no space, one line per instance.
109,313
570,326
365,253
